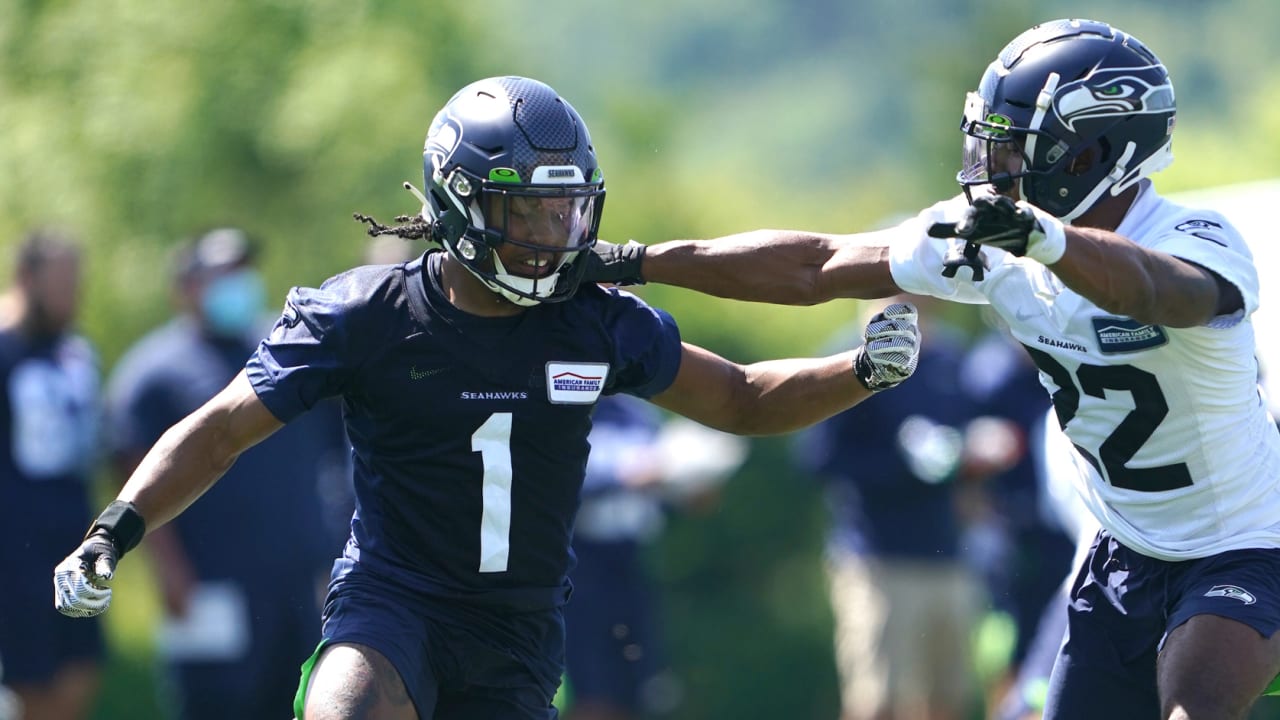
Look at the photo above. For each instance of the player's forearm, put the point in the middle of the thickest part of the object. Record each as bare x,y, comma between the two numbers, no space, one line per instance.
185,462
1128,280
194,453
776,266
781,396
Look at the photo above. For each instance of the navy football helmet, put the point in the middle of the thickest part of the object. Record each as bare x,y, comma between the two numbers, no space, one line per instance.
507,161
1069,111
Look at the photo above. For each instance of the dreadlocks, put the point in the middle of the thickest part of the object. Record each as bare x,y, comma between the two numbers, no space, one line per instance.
411,227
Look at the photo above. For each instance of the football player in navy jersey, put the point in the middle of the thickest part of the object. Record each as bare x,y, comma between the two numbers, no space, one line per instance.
1136,310
49,424
468,379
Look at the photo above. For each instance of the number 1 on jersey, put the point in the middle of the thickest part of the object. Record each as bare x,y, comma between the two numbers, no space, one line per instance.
493,441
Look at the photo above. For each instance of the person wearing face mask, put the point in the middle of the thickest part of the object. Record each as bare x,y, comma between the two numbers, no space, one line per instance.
240,607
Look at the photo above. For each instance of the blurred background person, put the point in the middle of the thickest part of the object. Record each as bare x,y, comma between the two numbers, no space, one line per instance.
1028,687
390,250
241,571
639,469
1016,536
49,405
904,599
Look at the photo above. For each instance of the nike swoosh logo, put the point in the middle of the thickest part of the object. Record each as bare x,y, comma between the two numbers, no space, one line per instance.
414,374
1024,316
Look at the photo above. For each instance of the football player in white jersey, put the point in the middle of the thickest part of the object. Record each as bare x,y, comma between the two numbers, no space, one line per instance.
1137,312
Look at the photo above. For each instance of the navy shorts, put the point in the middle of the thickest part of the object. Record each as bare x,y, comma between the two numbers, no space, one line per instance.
36,641
457,663
1123,606
613,648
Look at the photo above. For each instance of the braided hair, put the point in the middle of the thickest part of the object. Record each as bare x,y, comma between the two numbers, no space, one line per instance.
410,227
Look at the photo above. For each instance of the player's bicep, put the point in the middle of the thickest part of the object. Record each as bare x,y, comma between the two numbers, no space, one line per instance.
704,389
1189,294
1229,298
234,420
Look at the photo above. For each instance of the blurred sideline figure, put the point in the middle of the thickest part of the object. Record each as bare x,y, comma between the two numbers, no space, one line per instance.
468,378
241,570
1025,550
49,404
1028,688
638,468
904,599
389,250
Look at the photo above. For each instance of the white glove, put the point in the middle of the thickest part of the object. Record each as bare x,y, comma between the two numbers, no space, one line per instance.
80,581
890,348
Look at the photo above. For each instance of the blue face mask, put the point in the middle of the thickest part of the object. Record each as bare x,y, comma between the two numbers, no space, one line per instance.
233,303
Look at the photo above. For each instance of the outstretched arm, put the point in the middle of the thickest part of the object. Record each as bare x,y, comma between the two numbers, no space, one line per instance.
763,398
778,396
787,267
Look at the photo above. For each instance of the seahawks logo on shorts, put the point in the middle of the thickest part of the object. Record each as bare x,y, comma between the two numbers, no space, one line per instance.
1232,591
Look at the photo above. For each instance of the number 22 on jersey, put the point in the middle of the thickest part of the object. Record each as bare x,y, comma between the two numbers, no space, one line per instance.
1149,409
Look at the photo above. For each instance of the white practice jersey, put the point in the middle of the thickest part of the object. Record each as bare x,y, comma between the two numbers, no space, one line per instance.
1177,455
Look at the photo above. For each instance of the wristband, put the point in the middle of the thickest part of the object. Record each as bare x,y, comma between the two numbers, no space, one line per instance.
1048,239
122,524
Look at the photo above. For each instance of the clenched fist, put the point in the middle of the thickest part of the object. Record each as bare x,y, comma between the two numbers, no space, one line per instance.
890,348
81,582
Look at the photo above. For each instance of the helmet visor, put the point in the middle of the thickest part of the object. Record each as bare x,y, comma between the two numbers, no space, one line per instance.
539,221
544,230
992,152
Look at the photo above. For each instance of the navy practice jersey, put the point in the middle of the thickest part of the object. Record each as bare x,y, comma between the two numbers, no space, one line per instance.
48,434
469,434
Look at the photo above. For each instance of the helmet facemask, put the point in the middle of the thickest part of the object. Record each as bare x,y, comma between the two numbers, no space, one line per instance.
993,153
550,224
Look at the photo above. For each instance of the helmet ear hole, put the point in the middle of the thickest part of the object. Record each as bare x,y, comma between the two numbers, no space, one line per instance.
1086,159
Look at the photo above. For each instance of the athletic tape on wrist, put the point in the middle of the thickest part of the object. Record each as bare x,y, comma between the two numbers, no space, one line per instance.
124,525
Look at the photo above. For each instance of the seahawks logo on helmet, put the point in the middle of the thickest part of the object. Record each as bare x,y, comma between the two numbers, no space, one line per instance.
442,140
1111,93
